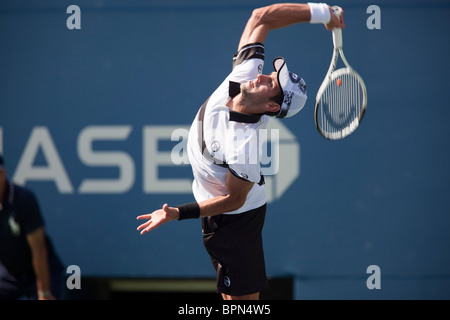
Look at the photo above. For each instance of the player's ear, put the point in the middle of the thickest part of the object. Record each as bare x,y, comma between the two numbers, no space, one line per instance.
272,106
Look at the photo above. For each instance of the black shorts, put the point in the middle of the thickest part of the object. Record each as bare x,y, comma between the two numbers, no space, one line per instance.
234,243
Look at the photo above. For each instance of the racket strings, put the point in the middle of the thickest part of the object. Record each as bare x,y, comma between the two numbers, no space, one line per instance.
341,105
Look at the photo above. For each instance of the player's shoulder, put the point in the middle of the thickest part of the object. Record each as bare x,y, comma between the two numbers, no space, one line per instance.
248,62
249,51
23,193
23,198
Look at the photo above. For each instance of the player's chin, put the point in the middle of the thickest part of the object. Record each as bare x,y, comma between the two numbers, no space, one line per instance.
246,86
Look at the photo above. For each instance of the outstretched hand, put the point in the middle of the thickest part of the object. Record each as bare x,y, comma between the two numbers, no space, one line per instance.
157,218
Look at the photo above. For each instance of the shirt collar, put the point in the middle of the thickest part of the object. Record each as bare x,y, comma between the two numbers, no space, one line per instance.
233,90
242,117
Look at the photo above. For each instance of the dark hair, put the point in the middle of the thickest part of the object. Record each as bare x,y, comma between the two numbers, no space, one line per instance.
279,98
1,160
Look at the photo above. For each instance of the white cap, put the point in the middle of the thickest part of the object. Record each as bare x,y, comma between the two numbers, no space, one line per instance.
293,88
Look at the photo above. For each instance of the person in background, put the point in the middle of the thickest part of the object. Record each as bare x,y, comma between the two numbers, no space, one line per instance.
29,265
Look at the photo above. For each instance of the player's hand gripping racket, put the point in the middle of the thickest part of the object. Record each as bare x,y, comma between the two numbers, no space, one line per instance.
342,98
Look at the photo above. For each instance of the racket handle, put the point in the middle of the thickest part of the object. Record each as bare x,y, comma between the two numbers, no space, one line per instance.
337,32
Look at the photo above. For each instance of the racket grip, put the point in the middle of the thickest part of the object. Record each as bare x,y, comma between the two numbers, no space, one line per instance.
337,32
337,38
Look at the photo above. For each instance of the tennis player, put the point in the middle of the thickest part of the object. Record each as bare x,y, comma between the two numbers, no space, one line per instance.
223,140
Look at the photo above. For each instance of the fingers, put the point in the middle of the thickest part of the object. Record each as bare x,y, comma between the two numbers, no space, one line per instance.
149,215
144,216
341,20
145,230
154,219
335,21
144,225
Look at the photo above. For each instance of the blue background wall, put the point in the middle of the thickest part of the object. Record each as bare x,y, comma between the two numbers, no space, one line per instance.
379,197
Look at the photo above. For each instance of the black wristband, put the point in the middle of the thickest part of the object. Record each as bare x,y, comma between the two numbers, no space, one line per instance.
189,211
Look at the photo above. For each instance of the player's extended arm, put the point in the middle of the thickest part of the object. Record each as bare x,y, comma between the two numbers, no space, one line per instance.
277,16
237,194
36,241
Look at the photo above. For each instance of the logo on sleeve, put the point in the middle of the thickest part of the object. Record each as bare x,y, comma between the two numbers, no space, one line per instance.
243,175
215,146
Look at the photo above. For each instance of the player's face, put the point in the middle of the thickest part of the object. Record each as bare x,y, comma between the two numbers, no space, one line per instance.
263,88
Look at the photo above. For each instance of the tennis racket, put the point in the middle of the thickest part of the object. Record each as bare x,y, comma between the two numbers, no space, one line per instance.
342,97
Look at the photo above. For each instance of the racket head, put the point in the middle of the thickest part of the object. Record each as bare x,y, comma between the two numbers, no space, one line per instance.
340,104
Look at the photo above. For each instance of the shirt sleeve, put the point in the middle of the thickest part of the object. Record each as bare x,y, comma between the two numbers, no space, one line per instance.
247,52
248,63
251,173
30,217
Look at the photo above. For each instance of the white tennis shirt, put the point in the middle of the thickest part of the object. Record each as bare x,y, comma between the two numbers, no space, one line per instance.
232,139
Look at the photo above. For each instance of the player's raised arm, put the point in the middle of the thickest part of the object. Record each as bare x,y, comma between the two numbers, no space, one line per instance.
281,15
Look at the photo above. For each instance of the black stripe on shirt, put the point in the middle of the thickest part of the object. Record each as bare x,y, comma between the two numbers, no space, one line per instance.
249,51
